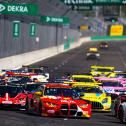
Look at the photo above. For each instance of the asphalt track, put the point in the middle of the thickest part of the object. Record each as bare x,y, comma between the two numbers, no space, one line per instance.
72,62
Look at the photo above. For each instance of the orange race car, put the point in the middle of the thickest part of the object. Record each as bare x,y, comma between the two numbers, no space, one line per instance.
57,100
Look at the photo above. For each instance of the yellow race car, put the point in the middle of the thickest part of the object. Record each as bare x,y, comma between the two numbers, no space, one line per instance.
100,101
101,70
84,80
93,53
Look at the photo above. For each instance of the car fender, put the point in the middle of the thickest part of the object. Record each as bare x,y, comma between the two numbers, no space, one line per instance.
124,108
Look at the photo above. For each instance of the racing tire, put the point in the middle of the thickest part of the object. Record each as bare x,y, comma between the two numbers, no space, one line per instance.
40,109
28,111
26,105
121,114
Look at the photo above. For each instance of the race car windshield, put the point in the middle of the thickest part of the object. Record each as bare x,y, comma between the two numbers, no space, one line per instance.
19,79
103,43
103,70
112,84
83,80
88,90
66,92
92,52
61,80
120,75
31,87
12,91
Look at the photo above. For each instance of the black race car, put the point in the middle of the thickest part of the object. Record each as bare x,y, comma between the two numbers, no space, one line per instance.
93,53
103,45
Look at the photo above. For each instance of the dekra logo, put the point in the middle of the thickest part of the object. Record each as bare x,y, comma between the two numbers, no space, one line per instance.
2,7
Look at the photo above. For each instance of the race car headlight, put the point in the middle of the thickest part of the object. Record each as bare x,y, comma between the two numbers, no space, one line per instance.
105,100
84,105
51,104
88,54
97,54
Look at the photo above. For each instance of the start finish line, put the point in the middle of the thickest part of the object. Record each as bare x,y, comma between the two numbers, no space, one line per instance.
24,9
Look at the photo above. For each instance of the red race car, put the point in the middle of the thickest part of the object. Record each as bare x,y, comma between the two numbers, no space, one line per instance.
57,100
12,97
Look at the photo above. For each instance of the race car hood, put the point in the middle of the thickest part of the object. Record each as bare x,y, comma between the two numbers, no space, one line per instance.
62,100
94,96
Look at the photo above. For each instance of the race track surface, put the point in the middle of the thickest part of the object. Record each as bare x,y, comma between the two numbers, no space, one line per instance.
72,62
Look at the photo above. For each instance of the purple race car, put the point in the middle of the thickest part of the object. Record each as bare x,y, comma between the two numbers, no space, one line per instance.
112,86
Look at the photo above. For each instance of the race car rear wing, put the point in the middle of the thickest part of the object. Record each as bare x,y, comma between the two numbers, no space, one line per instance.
104,67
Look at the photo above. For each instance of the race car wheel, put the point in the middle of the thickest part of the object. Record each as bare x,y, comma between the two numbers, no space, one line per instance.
115,111
121,114
29,106
26,105
40,108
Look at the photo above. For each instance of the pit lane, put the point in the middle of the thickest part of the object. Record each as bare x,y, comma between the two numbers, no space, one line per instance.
73,61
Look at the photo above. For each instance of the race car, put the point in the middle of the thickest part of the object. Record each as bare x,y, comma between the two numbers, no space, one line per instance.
93,53
101,70
120,107
103,45
33,72
57,100
118,75
39,73
12,97
112,87
83,79
100,101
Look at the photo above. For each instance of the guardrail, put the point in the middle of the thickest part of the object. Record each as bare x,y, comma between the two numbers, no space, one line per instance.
108,38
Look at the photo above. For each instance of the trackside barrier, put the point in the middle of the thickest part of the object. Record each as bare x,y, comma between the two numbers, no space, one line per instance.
16,61
108,38
81,41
